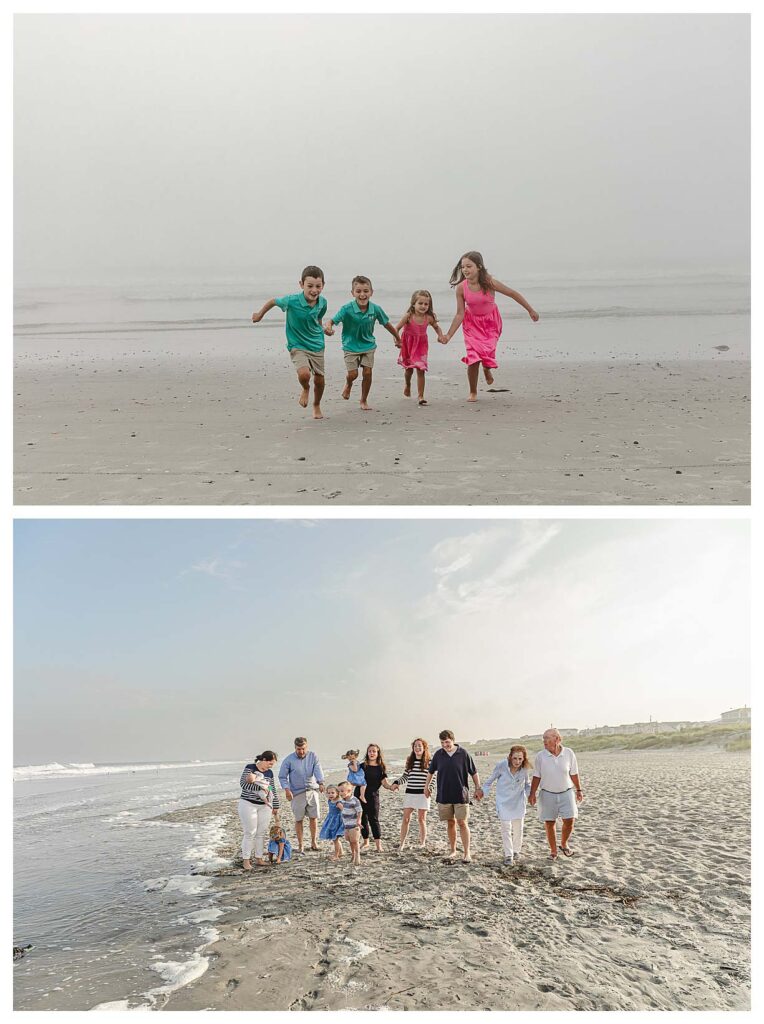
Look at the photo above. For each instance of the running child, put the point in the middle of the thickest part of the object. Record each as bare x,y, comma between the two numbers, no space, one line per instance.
413,356
305,311
332,827
513,786
350,806
355,772
358,345
477,312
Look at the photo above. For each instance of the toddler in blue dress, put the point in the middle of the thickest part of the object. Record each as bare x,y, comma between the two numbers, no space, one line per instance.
332,826
356,774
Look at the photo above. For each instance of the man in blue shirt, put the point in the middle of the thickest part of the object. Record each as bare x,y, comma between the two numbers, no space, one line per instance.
454,767
302,779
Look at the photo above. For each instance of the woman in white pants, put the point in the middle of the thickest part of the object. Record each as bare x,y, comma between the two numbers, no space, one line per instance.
513,785
258,801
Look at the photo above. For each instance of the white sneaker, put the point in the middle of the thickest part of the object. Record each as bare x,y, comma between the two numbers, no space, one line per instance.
508,862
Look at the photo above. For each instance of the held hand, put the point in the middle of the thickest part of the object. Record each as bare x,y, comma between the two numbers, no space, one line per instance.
329,329
533,315
444,339
256,318
428,791
479,793
532,799
321,787
394,787
398,342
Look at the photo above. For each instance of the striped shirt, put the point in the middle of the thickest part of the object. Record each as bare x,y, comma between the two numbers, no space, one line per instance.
414,778
351,808
258,792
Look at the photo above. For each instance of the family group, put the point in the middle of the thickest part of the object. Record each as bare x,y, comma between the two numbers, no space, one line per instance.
551,780
476,313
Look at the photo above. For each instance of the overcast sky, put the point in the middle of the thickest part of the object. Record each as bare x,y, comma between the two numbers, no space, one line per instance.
155,640
176,146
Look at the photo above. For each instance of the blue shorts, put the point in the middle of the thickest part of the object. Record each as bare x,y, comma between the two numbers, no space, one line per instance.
557,805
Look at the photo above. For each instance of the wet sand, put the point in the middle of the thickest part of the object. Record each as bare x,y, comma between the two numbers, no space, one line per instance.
206,428
652,912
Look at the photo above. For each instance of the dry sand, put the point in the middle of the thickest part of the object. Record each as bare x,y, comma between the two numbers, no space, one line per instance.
208,427
651,913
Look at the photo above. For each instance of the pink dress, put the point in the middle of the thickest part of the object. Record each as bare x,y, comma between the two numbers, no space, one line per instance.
413,353
481,327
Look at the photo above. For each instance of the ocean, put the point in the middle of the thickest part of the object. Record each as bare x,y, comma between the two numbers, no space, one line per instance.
686,316
105,895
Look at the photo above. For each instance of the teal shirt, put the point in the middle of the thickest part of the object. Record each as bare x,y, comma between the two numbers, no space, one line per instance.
358,326
303,329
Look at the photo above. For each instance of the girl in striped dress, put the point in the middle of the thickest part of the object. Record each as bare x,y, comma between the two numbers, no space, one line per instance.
479,317
414,799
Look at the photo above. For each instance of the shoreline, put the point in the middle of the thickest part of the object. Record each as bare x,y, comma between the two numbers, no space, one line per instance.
630,922
226,429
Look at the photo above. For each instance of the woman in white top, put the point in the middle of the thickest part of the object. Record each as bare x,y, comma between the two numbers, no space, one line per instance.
513,785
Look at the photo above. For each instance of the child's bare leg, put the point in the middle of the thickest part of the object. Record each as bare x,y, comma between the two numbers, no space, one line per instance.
303,376
351,376
318,390
420,386
408,373
365,387
487,374
473,373
337,849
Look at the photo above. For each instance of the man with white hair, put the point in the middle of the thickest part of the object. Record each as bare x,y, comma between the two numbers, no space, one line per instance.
555,776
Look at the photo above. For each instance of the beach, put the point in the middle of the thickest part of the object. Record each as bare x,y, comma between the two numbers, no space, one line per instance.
623,393
204,429
652,912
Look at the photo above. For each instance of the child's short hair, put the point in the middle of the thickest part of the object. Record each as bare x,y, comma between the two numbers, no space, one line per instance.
345,785
350,754
360,279
446,735
312,272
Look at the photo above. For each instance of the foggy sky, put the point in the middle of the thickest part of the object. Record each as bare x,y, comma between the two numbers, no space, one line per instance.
178,146
157,640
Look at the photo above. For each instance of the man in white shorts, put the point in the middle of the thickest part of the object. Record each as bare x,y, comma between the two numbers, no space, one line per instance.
555,776
302,779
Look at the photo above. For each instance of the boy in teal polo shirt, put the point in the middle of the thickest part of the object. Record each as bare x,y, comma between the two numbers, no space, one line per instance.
305,311
358,319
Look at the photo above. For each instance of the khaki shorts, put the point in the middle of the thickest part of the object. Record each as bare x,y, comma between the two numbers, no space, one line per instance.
355,359
314,361
447,812
305,805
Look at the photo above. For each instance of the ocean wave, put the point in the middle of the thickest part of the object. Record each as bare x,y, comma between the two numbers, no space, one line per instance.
66,769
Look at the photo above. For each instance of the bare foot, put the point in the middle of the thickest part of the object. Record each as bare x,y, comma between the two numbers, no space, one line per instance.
317,414
247,865
303,399
365,406
472,397
407,391
346,392
488,376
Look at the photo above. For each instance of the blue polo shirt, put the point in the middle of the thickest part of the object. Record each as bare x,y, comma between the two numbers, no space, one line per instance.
303,328
358,325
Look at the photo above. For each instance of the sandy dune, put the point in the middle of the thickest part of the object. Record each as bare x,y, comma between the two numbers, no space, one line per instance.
651,913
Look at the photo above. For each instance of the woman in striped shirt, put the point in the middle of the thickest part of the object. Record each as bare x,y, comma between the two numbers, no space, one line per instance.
257,803
414,777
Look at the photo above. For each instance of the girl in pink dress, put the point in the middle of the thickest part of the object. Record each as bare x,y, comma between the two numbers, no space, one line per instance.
479,316
413,356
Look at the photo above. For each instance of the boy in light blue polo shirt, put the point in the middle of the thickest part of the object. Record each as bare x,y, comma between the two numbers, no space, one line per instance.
358,319
305,311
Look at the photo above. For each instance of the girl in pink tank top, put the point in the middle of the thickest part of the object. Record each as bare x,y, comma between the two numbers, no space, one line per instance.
413,356
479,317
